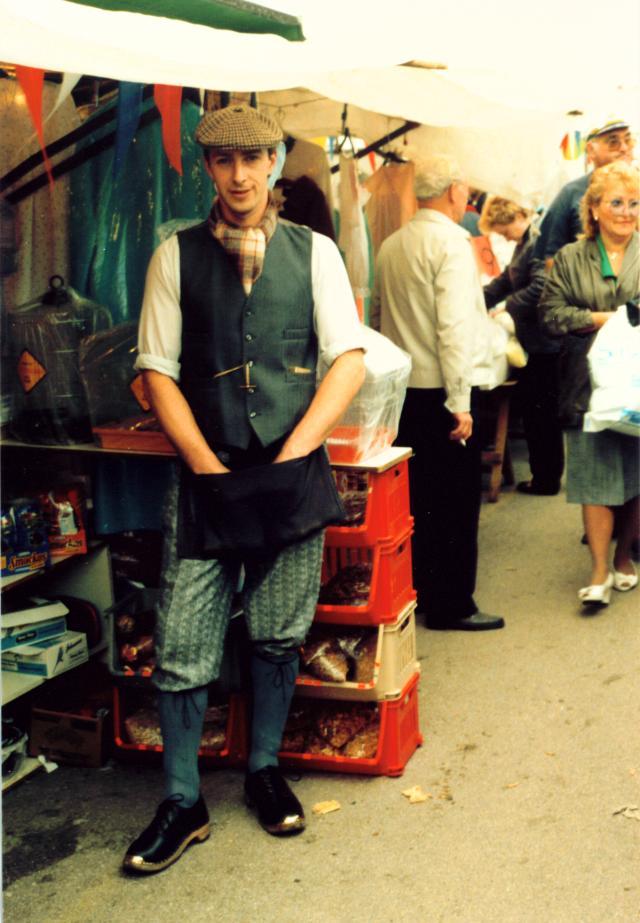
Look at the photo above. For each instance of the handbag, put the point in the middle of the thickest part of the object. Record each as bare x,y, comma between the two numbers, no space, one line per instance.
257,510
614,369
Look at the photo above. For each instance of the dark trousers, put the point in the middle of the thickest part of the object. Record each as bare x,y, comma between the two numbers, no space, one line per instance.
538,395
445,480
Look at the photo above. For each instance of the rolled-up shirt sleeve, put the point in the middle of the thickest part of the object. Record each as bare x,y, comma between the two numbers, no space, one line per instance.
160,329
337,325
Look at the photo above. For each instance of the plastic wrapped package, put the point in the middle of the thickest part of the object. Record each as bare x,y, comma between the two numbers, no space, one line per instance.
106,369
49,401
371,421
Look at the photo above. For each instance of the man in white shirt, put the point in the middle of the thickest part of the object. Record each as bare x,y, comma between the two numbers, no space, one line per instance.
236,311
430,302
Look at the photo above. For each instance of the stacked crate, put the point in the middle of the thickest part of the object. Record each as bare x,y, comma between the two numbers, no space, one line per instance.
367,603
136,723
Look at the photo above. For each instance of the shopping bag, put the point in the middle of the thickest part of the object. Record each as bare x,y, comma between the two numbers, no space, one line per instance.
614,369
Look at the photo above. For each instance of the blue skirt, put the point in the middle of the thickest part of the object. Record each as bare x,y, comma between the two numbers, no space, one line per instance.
602,468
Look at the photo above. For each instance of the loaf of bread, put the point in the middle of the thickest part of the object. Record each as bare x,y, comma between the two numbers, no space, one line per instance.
350,586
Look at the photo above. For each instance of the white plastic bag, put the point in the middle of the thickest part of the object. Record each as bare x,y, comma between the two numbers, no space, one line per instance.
371,421
614,367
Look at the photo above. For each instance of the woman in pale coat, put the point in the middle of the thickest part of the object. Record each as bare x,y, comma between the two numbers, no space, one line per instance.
589,280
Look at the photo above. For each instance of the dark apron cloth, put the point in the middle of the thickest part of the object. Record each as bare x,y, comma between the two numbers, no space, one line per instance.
257,507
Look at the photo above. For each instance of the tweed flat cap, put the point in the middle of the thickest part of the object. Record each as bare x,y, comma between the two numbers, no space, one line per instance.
237,128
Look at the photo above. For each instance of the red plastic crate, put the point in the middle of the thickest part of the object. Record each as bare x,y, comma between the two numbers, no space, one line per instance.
234,752
398,739
387,513
390,589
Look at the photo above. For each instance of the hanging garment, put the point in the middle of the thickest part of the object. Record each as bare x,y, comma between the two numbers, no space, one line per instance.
304,203
393,201
352,240
308,159
114,221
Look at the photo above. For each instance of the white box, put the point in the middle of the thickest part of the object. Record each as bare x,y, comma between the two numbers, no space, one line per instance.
48,658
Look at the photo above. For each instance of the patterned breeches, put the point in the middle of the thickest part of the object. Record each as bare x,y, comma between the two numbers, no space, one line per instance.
279,597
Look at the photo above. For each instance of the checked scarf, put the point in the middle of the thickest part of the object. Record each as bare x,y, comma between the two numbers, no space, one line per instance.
246,246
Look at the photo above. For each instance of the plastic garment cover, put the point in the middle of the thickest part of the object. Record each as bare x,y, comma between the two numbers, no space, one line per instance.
371,421
614,368
393,201
106,369
352,239
49,402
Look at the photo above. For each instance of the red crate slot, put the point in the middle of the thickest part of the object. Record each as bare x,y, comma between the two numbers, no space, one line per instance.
230,748
356,443
359,663
378,501
393,722
366,585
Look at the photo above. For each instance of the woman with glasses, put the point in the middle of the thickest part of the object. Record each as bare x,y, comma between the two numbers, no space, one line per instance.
589,280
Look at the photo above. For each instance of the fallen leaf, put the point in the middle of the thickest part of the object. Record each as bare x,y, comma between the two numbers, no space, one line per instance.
325,807
416,795
631,810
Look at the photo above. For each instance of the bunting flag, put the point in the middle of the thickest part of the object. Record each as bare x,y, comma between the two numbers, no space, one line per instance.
31,80
129,109
69,81
169,102
572,145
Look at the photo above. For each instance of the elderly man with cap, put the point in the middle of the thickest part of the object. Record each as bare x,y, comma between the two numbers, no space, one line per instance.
235,312
562,223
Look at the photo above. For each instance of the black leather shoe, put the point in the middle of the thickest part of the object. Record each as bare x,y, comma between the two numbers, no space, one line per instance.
479,621
529,487
278,809
167,836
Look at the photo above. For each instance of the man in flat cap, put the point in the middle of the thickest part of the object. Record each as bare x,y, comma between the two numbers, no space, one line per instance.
562,223
236,311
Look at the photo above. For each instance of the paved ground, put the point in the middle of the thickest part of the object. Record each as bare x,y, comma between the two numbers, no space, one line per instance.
531,748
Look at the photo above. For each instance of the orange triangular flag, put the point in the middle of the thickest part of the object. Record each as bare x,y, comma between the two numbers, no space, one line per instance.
168,99
31,79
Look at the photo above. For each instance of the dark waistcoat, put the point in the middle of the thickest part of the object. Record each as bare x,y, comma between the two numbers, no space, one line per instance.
267,338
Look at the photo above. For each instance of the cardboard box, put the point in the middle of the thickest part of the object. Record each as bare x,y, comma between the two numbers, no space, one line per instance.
48,658
21,635
25,546
64,737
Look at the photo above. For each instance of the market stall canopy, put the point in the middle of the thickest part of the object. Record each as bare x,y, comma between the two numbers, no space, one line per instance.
499,104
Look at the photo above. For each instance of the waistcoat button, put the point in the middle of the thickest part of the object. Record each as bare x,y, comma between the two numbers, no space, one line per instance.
248,337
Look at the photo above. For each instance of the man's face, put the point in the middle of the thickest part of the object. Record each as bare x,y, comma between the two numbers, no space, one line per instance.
615,145
241,180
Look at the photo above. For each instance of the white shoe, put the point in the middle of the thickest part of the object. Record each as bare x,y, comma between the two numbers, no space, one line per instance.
624,582
598,594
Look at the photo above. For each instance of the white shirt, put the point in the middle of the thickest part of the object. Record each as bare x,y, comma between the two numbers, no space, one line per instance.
428,292
336,320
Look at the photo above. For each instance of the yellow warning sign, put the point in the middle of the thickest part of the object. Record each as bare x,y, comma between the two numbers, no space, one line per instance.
30,371
137,388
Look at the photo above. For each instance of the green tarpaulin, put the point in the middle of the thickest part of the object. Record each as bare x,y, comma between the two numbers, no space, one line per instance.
236,15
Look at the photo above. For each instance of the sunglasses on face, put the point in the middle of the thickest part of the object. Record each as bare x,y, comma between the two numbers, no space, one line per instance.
615,142
617,206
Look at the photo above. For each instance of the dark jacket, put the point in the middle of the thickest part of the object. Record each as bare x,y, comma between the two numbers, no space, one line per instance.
521,285
574,288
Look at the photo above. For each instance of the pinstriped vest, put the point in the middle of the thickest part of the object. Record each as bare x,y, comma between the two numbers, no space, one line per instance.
264,344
